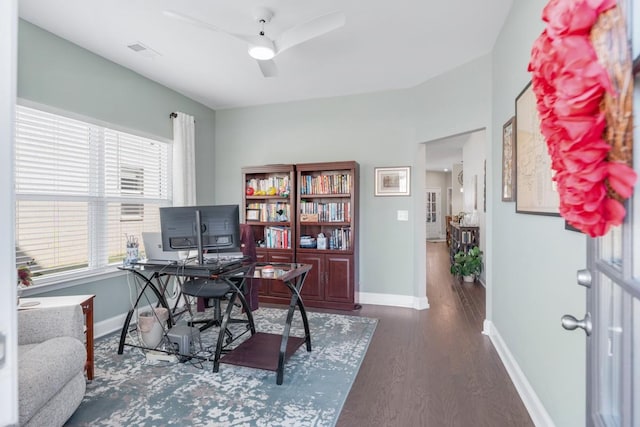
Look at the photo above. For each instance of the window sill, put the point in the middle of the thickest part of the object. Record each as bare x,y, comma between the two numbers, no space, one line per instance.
68,281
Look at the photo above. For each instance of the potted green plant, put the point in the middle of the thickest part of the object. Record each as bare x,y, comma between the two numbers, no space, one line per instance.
467,264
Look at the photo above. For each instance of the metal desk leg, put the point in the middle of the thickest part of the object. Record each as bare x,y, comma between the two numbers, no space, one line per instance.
285,338
303,311
296,300
237,293
148,284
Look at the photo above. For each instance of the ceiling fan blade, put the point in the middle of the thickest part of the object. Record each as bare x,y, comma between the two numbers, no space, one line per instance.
198,23
309,30
268,68
193,21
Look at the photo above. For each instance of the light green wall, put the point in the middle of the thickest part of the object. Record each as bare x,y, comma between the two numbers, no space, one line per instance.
535,259
456,102
59,74
373,129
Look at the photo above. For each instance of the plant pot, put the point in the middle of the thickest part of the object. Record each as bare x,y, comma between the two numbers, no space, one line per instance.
469,279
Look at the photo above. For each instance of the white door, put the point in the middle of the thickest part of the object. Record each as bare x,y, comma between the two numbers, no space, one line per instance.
612,320
434,221
8,312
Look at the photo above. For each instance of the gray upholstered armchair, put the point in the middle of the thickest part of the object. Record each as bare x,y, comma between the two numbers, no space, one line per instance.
51,360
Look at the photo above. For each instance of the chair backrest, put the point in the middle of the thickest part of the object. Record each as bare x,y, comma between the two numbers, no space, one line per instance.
248,242
40,324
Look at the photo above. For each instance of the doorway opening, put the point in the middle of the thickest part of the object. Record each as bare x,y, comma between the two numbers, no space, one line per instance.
455,166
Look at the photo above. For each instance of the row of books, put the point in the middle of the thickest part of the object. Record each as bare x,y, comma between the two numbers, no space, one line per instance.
280,238
327,212
340,239
269,212
277,237
467,237
280,183
326,184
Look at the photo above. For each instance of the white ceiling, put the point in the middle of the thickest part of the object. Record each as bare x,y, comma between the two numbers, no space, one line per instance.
444,153
383,45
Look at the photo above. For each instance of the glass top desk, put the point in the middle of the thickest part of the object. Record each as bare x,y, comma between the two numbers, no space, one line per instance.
271,351
152,276
261,350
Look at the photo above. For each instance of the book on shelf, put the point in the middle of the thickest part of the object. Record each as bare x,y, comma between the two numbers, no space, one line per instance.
269,212
327,212
340,239
279,183
277,237
338,183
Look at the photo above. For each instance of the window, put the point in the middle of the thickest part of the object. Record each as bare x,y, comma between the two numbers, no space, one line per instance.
81,189
132,183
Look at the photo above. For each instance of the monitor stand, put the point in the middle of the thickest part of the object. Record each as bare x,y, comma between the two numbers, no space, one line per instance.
201,260
199,237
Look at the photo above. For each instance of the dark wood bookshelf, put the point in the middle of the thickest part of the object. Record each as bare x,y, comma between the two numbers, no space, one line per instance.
271,291
333,280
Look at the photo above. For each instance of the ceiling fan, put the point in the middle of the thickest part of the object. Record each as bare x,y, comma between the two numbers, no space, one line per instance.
261,47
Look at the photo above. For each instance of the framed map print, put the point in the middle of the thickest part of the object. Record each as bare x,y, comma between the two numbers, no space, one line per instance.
535,189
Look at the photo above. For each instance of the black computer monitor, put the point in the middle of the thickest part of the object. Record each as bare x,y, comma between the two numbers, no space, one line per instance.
218,225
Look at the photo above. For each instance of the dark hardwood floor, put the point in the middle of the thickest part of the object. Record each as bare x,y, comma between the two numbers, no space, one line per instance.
433,367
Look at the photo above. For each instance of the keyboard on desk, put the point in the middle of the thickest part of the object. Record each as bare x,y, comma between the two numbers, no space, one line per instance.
219,266
160,261
225,266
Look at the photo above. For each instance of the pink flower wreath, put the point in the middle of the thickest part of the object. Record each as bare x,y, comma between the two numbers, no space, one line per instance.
570,86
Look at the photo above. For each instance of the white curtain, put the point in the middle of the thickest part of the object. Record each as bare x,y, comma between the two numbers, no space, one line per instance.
184,160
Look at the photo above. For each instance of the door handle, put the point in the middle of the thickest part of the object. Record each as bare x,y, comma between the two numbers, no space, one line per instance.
570,323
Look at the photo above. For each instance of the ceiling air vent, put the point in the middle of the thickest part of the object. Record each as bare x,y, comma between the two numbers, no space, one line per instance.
137,47
143,50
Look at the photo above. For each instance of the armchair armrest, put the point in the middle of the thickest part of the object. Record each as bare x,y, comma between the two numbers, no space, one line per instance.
40,324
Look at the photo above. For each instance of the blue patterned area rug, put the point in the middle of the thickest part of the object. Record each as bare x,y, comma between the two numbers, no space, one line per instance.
128,390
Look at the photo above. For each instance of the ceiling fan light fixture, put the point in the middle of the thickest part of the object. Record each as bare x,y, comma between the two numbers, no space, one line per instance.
262,49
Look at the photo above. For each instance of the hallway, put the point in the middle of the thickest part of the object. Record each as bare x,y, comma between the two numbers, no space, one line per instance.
433,367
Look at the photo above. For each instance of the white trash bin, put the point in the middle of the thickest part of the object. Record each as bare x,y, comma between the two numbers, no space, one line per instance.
150,325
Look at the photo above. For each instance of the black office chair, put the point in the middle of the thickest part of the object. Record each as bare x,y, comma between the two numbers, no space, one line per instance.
215,289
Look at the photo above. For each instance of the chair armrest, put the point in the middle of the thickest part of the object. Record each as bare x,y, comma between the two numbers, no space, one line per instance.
40,324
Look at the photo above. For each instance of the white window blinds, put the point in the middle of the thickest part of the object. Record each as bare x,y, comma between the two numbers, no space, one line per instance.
81,189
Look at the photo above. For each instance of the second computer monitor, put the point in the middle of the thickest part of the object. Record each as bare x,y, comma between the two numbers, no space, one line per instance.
218,226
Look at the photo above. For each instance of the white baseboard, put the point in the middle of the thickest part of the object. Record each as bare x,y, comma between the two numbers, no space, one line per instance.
110,325
115,323
486,328
418,303
532,402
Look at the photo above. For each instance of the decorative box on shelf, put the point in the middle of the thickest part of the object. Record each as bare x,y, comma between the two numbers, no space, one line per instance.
308,217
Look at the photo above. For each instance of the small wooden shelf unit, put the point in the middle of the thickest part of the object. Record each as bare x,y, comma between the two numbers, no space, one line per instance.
463,238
